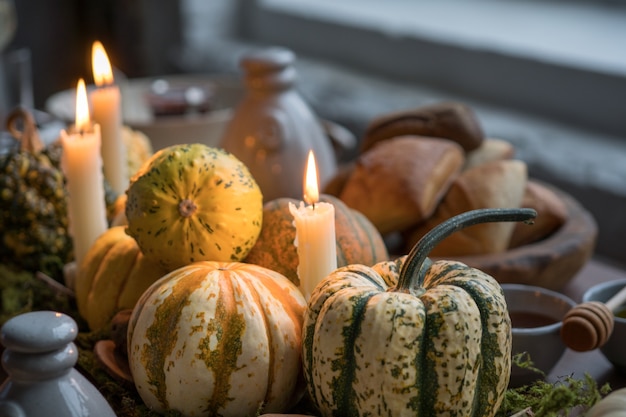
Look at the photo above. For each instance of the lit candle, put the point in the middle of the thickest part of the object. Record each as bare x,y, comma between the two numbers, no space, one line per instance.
107,112
82,166
315,233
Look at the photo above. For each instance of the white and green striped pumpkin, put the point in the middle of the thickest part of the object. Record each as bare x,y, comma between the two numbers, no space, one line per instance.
218,338
410,337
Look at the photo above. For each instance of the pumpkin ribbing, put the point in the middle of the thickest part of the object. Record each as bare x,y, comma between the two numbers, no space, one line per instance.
216,338
437,344
112,277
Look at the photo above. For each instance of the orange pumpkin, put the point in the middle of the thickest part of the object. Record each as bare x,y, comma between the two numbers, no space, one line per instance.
358,241
112,277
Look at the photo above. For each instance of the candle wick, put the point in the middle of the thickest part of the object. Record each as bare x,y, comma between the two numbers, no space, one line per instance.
313,205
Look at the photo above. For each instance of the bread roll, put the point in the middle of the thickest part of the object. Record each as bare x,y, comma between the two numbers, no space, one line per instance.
496,184
400,181
338,181
449,120
551,215
491,149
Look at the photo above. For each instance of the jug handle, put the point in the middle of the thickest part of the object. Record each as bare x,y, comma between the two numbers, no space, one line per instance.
341,139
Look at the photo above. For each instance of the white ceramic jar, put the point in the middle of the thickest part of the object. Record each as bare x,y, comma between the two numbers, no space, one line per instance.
39,359
273,128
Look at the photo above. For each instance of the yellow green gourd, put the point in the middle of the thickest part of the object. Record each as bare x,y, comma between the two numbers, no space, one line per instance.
192,203
112,277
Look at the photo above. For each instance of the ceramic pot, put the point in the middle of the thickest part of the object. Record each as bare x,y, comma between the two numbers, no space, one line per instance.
39,358
273,128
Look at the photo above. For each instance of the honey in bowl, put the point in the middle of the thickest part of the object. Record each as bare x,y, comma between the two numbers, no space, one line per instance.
529,320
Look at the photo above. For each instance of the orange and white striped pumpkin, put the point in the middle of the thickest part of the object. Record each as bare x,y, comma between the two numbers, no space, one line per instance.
218,338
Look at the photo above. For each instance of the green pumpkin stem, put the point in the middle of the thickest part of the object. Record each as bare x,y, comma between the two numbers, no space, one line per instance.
413,271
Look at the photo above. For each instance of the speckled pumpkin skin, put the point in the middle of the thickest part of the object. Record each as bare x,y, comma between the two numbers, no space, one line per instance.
440,349
218,339
358,241
193,203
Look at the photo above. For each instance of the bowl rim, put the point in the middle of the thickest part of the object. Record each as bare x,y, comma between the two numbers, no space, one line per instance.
602,286
545,291
574,241
60,104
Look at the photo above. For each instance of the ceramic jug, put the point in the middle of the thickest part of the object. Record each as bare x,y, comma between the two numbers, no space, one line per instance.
39,358
273,128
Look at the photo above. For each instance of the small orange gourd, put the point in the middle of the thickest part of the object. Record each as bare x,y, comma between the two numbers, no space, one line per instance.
112,277
358,241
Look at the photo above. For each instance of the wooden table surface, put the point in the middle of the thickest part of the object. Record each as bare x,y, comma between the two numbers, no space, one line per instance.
593,363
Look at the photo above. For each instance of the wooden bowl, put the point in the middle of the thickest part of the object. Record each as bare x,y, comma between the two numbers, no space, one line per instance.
550,263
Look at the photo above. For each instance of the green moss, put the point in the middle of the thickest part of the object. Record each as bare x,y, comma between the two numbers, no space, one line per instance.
21,291
546,399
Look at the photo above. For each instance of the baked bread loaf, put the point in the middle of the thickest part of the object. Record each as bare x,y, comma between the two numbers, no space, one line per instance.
496,184
551,215
449,120
491,149
399,182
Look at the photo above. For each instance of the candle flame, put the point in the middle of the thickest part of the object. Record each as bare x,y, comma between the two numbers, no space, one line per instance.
311,192
82,106
101,67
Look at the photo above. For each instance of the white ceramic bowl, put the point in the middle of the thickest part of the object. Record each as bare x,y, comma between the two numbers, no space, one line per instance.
613,349
536,315
163,131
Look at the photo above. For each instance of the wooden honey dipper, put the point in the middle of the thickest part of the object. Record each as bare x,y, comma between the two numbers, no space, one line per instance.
589,325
